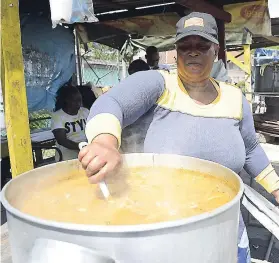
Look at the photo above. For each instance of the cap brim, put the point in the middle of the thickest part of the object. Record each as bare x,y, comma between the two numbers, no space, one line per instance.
196,33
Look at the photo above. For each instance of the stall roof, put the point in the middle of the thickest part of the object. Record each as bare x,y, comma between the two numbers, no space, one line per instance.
116,37
101,6
107,5
264,41
132,10
157,30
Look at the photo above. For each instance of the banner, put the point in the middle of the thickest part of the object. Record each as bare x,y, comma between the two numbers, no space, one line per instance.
149,25
248,19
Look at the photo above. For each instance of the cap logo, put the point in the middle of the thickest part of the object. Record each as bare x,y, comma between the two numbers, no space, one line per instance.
194,21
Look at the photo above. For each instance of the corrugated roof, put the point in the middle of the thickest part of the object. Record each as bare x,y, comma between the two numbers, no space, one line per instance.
107,5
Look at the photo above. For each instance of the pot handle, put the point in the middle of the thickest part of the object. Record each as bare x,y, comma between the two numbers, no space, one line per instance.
55,251
103,186
264,211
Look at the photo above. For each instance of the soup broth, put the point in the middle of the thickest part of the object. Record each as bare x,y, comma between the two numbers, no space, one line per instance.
141,196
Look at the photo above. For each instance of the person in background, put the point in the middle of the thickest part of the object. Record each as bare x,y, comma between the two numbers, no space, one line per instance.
87,94
133,135
188,113
152,58
219,72
68,121
137,65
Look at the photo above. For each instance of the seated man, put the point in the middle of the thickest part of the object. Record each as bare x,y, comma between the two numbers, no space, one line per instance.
152,58
68,122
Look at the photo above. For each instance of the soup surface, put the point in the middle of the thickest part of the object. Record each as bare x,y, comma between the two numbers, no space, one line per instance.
140,196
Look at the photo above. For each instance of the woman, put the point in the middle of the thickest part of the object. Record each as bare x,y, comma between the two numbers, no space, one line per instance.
68,121
187,113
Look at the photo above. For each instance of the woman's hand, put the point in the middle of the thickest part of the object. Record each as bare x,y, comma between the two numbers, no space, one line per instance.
100,158
276,195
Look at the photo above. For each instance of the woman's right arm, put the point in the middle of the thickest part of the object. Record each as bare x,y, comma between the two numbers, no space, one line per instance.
124,104
116,109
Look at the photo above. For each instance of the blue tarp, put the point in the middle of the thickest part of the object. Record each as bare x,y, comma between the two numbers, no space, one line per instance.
49,60
264,56
259,52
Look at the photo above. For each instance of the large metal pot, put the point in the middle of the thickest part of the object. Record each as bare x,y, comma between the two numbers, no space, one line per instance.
209,237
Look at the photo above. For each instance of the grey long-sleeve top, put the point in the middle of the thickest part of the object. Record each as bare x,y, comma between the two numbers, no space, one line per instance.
164,119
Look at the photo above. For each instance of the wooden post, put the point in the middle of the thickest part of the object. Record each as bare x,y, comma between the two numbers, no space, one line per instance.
222,41
16,110
206,7
248,75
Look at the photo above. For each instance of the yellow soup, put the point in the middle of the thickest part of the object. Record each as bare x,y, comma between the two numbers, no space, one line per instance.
141,196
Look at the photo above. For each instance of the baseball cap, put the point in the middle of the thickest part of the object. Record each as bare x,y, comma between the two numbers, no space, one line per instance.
198,24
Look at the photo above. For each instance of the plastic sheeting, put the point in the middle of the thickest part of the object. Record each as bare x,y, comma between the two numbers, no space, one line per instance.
49,60
72,11
264,56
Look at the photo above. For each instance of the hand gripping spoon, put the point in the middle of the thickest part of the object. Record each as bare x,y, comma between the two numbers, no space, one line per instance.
102,184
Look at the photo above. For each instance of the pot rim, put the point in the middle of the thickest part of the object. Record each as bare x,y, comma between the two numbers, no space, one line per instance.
124,228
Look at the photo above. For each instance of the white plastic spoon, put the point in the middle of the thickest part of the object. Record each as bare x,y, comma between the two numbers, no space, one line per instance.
102,184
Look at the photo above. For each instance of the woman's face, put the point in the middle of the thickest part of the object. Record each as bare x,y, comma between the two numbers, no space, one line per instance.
74,102
195,57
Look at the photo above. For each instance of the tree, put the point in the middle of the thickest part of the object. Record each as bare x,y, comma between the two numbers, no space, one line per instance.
100,52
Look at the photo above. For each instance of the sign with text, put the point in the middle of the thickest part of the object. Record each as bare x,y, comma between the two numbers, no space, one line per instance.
251,18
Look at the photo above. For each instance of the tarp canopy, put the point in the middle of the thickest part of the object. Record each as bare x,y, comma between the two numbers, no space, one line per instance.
119,32
115,33
49,60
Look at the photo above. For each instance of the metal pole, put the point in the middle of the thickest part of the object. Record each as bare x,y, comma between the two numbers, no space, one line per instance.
118,65
78,59
270,245
123,70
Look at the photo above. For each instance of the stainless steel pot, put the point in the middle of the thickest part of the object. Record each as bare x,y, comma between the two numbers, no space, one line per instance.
53,251
209,237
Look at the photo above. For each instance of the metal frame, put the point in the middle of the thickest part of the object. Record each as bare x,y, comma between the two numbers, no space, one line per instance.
246,67
272,239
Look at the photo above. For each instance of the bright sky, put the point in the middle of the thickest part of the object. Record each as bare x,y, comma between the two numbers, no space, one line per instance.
273,6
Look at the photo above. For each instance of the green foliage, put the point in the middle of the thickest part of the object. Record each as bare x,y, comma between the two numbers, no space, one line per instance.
241,85
39,120
275,47
101,52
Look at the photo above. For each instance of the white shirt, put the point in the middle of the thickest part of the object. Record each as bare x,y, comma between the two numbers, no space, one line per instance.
163,67
219,71
75,129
